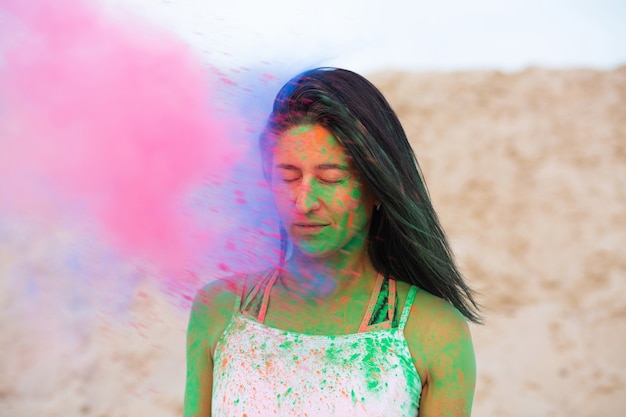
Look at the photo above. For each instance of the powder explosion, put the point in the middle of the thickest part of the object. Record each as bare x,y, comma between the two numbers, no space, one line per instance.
122,128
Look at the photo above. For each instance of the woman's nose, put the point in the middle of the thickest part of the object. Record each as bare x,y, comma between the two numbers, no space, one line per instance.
306,199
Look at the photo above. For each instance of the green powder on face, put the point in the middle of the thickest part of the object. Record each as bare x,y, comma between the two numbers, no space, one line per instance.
353,396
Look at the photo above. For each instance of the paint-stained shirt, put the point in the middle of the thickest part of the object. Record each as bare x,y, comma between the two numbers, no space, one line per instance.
262,371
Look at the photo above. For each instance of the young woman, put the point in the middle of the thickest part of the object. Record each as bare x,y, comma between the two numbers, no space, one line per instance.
367,316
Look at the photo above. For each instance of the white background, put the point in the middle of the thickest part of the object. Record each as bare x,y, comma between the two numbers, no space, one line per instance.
368,35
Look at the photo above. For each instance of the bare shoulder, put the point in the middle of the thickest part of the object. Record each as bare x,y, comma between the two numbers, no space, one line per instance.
212,309
431,316
436,329
440,343
440,313
215,293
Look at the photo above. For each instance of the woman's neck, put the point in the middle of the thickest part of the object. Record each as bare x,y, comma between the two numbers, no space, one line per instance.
327,278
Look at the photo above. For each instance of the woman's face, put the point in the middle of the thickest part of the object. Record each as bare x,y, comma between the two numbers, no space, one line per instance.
322,203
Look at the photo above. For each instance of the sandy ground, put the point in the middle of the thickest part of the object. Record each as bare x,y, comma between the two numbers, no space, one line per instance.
528,174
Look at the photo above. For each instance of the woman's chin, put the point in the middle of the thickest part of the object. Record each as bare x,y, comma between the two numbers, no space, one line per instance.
314,252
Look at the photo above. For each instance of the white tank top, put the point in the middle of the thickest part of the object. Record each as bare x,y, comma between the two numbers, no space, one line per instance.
262,371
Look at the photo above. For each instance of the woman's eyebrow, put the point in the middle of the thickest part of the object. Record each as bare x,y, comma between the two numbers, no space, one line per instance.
321,167
332,166
288,166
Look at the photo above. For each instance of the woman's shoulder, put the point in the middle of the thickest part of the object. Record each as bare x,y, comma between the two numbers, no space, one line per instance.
431,319
226,290
212,308
215,304
427,309
440,343
216,293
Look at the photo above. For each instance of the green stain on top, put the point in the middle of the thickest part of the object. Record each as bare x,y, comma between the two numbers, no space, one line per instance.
285,345
373,349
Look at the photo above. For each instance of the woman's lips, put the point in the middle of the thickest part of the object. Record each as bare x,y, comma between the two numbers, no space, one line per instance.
309,228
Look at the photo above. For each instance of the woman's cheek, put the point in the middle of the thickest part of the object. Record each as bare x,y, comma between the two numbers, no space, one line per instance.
353,199
354,210
283,198
357,216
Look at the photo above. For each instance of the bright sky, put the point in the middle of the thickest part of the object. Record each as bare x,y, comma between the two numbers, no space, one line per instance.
370,35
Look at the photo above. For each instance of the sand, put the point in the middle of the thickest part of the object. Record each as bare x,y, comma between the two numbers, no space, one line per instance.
527,171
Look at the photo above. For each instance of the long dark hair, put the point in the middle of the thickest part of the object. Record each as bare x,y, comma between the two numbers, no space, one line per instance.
405,239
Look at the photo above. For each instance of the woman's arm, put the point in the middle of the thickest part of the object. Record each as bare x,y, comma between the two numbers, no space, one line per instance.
198,388
444,355
212,309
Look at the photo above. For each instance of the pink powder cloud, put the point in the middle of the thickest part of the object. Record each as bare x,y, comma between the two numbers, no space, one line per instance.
110,122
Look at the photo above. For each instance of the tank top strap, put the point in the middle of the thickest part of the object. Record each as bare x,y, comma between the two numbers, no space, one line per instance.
254,305
372,304
391,301
407,307
269,283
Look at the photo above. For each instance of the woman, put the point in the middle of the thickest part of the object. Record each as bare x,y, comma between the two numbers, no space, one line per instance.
367,317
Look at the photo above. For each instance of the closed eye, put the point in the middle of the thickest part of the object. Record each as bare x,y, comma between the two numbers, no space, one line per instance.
288,173
334,180
289,179
329,174
333,173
